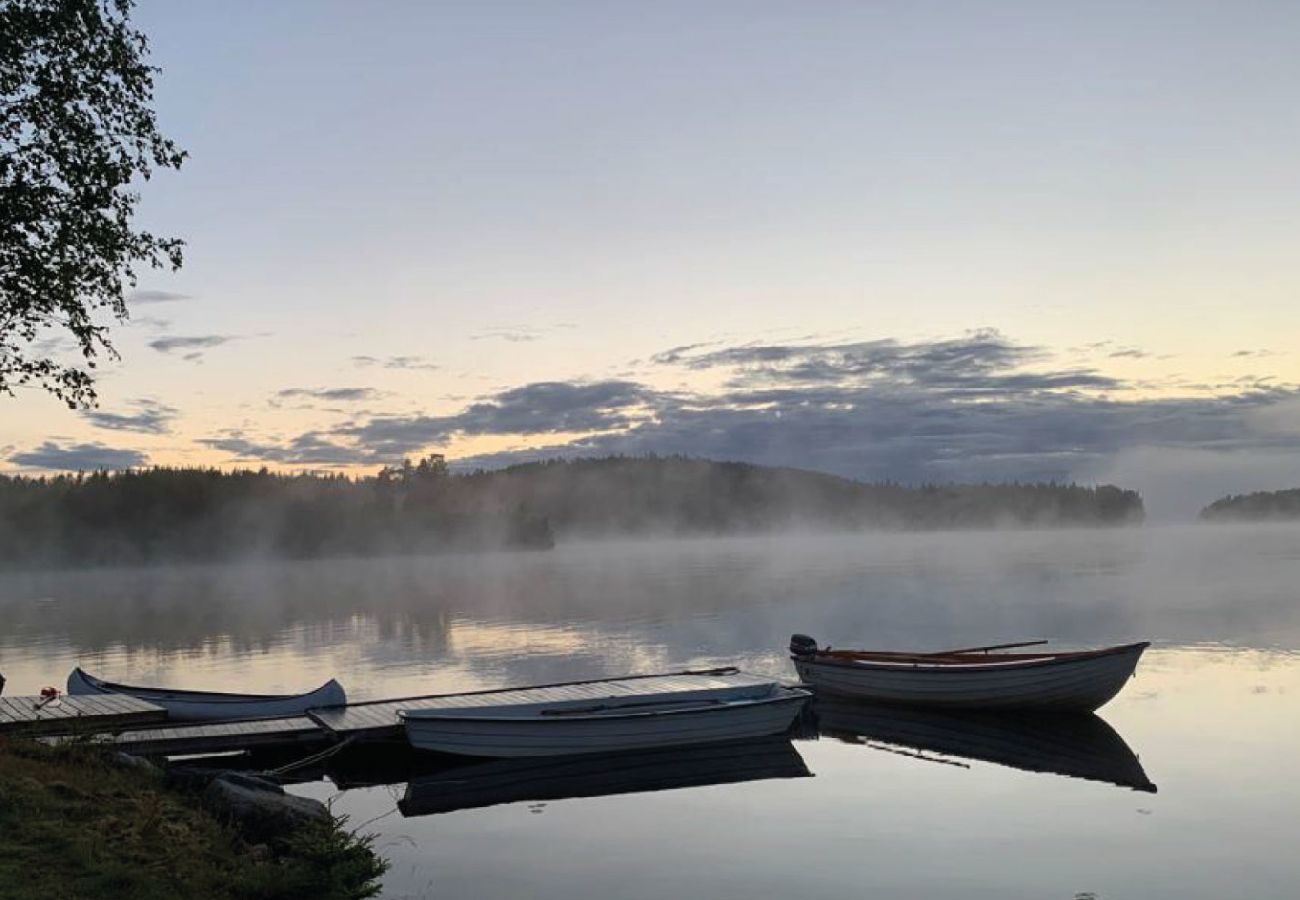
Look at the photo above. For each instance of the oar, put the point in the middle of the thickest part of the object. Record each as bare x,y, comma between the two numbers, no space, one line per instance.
985,649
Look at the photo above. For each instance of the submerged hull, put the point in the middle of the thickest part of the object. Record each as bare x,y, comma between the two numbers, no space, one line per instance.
536,735
1076,745
599,775
204,706
1075,682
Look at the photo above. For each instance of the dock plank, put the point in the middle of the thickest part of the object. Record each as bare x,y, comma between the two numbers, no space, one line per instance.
219,737
75,714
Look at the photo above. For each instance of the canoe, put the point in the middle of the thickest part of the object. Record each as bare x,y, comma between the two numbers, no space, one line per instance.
1074,745
207,706
501,781
1079,681
607,720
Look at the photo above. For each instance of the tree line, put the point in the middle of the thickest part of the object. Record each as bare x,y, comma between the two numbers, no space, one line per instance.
165,514
1261,506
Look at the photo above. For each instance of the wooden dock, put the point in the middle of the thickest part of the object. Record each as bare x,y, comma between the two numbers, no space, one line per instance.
220,737
378,719
374,720
75,715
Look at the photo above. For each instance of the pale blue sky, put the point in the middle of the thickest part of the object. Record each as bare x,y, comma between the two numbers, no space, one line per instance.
555,192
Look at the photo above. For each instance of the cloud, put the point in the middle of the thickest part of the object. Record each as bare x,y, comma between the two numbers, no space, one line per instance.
512,335
518,334
919,438
195,344
147,297
982,361
551,407
978,407
57,457
310,448
336,395
1129,353
394,362
151,418
548,407
151,322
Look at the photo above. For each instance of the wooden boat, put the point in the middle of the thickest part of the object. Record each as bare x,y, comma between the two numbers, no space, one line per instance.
1075,745
605,716
601,774
971,678
200,706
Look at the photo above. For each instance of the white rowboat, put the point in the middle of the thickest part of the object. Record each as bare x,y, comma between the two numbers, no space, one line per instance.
207,706
605,716
1079,681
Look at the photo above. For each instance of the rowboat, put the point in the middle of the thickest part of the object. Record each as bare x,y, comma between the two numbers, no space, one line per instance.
605,716
970,678
200,706
1074,745
501,781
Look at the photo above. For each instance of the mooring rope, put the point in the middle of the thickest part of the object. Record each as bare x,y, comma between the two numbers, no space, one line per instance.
314,758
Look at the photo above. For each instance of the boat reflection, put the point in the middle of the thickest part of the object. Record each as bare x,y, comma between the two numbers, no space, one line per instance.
1074,745
598,775
439,783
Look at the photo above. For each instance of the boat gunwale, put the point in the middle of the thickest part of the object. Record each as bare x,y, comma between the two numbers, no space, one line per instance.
788,695
188,696
920,663
718,672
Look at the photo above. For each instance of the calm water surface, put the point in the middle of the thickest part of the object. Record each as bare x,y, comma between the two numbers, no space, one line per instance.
1213,715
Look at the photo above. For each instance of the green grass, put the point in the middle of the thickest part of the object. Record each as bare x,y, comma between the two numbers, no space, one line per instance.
73,826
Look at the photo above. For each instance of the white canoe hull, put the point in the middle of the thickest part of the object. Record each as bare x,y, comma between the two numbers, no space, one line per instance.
203,706
509,736
1071,683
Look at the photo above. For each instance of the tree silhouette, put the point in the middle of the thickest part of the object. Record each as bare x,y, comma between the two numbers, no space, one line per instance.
77,134
198,514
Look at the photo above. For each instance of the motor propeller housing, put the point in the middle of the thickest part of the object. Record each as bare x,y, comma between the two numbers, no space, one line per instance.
802,645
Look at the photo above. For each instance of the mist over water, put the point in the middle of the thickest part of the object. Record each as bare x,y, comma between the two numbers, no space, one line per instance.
1212,713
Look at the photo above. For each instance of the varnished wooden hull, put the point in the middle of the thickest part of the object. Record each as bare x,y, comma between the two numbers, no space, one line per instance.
1077,682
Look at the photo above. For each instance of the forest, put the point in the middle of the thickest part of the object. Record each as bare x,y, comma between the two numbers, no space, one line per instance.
1261,506
173,514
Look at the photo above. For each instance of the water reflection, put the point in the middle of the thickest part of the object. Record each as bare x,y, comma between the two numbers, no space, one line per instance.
600,775
1077,746
1212,710
597,610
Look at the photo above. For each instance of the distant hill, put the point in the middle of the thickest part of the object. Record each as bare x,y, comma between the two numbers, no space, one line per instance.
1262,506
656,494
200,514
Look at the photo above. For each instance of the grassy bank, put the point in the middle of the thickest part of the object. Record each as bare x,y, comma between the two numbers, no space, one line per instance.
75,825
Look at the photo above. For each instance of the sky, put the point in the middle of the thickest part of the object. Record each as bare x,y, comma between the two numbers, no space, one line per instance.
917,241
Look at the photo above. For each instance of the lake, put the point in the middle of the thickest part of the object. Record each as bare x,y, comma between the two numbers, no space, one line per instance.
1213,714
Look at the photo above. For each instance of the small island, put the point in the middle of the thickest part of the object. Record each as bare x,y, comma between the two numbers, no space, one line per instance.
1261,506
193,514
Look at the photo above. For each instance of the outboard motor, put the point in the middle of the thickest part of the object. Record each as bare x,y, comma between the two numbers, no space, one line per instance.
802,645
